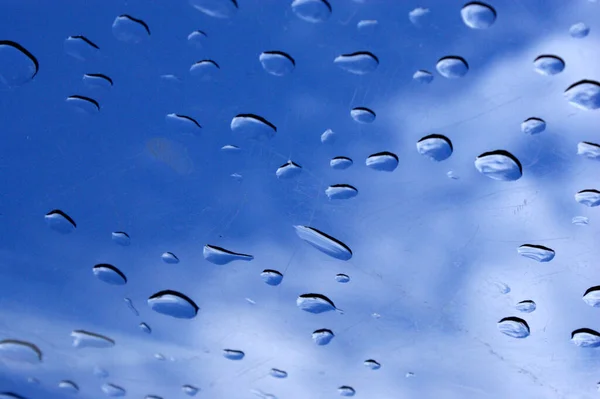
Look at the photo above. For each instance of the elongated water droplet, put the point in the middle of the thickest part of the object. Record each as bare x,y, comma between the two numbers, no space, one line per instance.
277,373
372,364
478,15
435,147
97,81
170,258
222,256
174,304
342,278
190,390
526,306
251,126
315,303
277,63
341,191
499,165
113,390
324,242
216,8
538,253
452,67
183,124
592,296
314,11
322,336
17,65
83,104
383,161
145,328
233,354
423,76
589,197
68,386
533,126
584,94
586,338
204,69
589,150
59,221
109,274
129,29
328,137
579,30
81,48
363,115
87,339
514,327
288,170
358,63
20,351
346,390
548,65
131,307
121,238
580,220
271,277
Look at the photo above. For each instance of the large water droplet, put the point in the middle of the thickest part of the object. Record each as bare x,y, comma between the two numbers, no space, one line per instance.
372,364
514,327
216,8
190,390
271,277
499,165
452,67
584,94
478,15
312,10
548,65
251,126
17,65
121,238
59,221
183,124
324,242
109,274
526,306
533,126
170,258
418,15
435,146
97,81
592,296
341,191
277,373
113,390
589,150
358,63
586,338
579,30
342,278
83,104
363,115
322,336
288,170
20,351
197,38
589,197
145,328
539,253
222,256
129,29
423,76
204,69
87,339
346,390
340,163
81,48
233,354
277,63
174,304
68,386
315,303
383,161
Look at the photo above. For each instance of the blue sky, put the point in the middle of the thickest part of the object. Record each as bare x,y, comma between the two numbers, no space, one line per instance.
431,254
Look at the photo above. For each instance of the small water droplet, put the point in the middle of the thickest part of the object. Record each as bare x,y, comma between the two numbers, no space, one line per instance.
97,81
277,373
315,303
204,69
502,287
129,29
533,126
341,191
328,137
83,105
363,115
100,372
216,8
121,238
183,124
423,76
435,147
580,220
81,48
145,328
190,390
452,67
233,354
271,277
548,65
579,30
383,161
452,175
197,38
358,63
113,390
367,26
230,148
160,356
499,165
418,15
584,94
538,253
342,278
592,296
514,327
174,304
313,11
526,306
222,256
277,63
17,65
376,315
87,339
372,364
60,221
251,126
68,386
109,274
237,177
250,301
589,197
586,338
346,390
324,242
288,170
170,258
131,307
409,374
20,351
322,336
478,15
340,163
32,381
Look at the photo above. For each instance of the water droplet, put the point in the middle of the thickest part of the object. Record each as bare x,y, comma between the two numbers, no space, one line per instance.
190,390
514,327
197,38
526,306
362,115
129,29
109,274
358,63
17,65
341,191
277,63
113,390
452,67
328,137
452,175
183,124
174,304
216,8
251,126
499,165
584,94
423,76
121,238
145,328
100,372
589,150
533,126
418,15
222,256
346,390
288,170
59,221
409,374
159,356
322,336
86,339
435,146
539,253
84,105
20,351
271,277
548,65
367,25
68,386
586,338
592,296
342,278
170,258
170,79
250,301
579,30
97,81
237,177
230,148
204,69
589,197
312,10
502,288
478,15
340,163
81,48
383,161
278,373
315,303
372,364
129,304
324,242
580,220
233,354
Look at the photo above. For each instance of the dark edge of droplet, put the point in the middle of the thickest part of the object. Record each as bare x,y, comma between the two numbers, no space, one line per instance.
454,57
341,275
527,301
327,5
281,53
592,289
290,163
177,294
347,388
85,39
258,118
139,21
104,337
24,51
189,119
11,395
362,53
425,71
324,330
234,351
209,61
123,233
228,251
584,81
347,248
438,136
479,3
235,3
533,118
31,346
320,296
343,185
64,215
516,320
539,57
589,190
272,271
100,75
111,267
592,144
537,247
346,158
201,32
503,153
84,98
172,255
70,383
584,331
385,153
364,109
372,361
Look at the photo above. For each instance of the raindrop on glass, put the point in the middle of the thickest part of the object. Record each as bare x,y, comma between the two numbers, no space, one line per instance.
109,274
59,221
216,8
288,170
312,10
533,126
204,69
87,339
589,150
342,278
423,76
589,197
251,126
83,104
190,390
341,191
383,161
358,63
197,38
145,328
68,386
277,63
183,124
526,306
100,372
10,395
499,165
113,390
322,336
81,48
121,238
548,65
372,364
418,15
346,390
230,148
580,220
340,163
579,30
328,137
17,65
585,338
174,304
20,351
315,303
222,256
233,354
324,242
502,287
278,373
129,29
538,253
514,327
452,67
97,81
271,277
435,147
367,25
362,115
131,307
584,94
170,258
592,296
478,15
